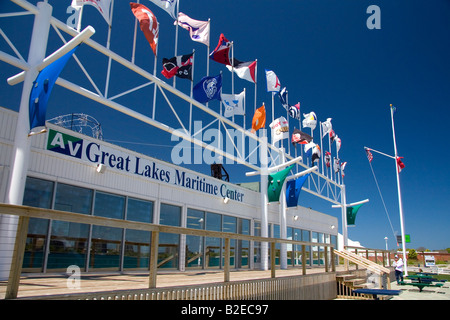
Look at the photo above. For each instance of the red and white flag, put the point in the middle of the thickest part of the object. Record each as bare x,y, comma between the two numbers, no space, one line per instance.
400,164
221,53
369,154
148,23
244,70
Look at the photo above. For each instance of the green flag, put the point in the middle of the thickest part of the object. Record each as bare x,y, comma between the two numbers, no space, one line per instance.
276,181
351,214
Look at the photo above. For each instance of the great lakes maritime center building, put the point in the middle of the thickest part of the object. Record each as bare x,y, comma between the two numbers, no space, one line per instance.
63,174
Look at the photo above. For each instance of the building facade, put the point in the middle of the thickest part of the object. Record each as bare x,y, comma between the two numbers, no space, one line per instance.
73,172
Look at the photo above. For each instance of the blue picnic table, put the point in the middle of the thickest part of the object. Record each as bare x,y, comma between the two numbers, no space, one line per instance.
376,292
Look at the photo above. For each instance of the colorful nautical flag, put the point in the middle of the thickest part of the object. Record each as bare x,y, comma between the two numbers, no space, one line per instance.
309,148
273,84
300,137
180,66
280,129
198,30
343,165
310,120
400,164
103,6
234,104
327,159
167,5
326,127
338,143
221,53
244,70
283,95
316,152
293,188
275,183
41,90
148,23
337,166
332,135
294,111
208,88
259,119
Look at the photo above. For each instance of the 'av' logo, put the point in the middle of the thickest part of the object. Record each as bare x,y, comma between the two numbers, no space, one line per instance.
65,144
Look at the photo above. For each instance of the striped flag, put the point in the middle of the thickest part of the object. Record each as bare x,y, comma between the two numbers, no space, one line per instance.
369,154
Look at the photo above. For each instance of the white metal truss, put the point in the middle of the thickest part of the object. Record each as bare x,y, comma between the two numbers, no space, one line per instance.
317,184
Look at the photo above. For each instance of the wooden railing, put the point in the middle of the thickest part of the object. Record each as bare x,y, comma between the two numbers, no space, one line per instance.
25,213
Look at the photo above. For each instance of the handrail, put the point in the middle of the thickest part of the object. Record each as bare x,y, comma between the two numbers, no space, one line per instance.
26,212
366,263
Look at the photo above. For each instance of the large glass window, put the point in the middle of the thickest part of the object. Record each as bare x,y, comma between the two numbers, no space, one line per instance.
169,242
194,244
315,249
230,225
306,236
137,242
213,245
69,240
38,193
106,241
243,246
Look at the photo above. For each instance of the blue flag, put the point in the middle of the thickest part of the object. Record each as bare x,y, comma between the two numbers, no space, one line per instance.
208,88
41,90
293,188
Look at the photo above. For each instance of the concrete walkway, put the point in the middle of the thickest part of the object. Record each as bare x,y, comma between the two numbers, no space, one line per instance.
428,293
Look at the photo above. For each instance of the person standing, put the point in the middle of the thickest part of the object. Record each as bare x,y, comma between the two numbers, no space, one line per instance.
398,264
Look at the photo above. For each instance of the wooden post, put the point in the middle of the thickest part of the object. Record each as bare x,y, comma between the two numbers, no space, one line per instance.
326,258
272,259
303,259
17,259
226,266
333,262
153,260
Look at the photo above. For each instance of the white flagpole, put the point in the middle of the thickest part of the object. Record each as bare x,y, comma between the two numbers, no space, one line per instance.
192,88
256,81
134,40
400,205
207,50
154,73
287,118
176,38
232,72
245,107
321,148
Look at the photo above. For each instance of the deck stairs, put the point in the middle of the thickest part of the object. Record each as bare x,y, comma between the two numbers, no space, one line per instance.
348,280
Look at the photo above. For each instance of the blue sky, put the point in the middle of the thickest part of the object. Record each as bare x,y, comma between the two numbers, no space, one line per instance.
328,59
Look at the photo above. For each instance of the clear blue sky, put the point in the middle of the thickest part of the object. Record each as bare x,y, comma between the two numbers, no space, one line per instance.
328,59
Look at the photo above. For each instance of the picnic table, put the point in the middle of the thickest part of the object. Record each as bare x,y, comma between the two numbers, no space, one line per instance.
421,281
376,292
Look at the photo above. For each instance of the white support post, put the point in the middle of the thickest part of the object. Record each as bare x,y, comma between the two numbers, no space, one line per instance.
283,226
264,200
21,151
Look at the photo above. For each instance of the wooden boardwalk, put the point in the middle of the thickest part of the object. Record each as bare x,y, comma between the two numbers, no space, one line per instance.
40,285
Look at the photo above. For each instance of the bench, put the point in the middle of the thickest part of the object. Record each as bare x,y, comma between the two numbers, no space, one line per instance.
376,292
421,285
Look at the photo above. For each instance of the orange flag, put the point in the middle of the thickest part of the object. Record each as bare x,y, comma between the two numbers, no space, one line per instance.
259,119
148,23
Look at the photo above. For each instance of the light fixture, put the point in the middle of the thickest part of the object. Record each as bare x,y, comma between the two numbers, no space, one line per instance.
101,168
226,199
332,226
295,218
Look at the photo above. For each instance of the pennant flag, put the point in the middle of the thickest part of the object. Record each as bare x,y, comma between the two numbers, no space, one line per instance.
300,137
369,154
332,135
294,111
180,66
280,129
283,98
221,53
293,188
259,119
208,88
40,92
308,148
234,104
351,214
276,181
310,120
327,159
338,143
198,30
273,84
337,166
343,165
103,6
326,127
400,164
315,154
166,5
148,23
244,70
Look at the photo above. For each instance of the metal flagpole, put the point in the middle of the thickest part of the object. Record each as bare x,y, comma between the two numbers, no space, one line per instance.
256,81
134,39
282,211
154,74
108,43
192,88
176,38
400,205
207,50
